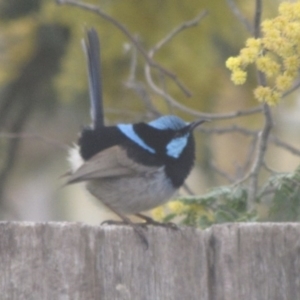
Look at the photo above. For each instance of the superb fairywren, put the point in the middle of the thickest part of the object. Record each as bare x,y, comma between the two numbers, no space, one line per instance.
130,167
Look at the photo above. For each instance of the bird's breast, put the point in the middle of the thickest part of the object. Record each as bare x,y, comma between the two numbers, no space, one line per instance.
133,194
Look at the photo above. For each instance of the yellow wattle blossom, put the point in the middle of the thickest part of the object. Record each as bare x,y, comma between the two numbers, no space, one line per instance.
283,82
292,63
266,94
158,213
176,207
292,30
284,47
289,11
267,65
279,23
262,92
276,54
253,43
239,76
202,210
233,63
248,55
267,26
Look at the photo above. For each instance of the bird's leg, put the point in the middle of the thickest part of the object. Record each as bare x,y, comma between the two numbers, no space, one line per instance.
156,223
113,222
148,220
136,227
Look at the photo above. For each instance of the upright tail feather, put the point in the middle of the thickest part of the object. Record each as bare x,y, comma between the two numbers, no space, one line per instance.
91,48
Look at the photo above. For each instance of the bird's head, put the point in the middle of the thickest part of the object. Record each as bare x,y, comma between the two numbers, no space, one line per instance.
177,133
167,135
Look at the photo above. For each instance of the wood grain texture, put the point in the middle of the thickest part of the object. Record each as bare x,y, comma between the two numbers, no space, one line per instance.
70,261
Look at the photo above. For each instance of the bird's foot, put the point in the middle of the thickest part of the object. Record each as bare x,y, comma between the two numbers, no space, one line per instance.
136,227
150,221
113,222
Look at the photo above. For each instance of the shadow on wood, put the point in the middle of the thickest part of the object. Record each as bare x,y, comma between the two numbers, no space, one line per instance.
76,261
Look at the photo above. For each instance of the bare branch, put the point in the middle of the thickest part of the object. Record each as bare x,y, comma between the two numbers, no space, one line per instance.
134,41
251,152
53,142
139,87
133,64
221,172
257,18
228,130
265,133
267,191
193,112
239,15
175,31
295,86
133,115
236,114
151,63
188,189
278,142
269,169
259,158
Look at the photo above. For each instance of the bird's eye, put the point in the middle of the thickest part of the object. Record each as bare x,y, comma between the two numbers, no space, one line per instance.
177,134
181,132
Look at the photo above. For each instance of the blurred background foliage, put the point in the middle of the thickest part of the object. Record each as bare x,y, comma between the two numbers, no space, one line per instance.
44,97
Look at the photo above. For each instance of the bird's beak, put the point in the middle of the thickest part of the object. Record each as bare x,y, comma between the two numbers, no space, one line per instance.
195,124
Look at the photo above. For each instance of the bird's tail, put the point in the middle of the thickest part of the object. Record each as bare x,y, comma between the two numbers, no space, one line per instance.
91,47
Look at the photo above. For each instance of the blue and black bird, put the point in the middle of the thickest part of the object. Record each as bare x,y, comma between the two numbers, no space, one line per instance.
131,168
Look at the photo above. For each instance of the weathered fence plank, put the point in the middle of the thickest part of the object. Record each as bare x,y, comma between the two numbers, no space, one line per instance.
69,261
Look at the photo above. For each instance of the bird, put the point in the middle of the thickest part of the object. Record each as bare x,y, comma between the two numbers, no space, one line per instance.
130,168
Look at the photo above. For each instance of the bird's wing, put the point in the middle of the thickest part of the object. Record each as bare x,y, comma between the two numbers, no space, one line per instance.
111,162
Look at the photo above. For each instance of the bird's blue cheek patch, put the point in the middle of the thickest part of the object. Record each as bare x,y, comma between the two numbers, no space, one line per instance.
127,130
176,146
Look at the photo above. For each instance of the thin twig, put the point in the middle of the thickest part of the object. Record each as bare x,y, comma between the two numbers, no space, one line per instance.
139,87
262,143
133,64
265,133
53,142
239,15
295,86
269,169
121,112
278,142
188,189
251,152
228,130
193,112
262,148
257,18
175,31
134,41
150,62
222,173
267,191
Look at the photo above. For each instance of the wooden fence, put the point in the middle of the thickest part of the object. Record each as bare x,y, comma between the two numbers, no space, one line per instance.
70,261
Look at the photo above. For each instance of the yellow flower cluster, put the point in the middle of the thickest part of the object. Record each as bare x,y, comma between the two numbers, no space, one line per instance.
158,213
176,207
276,54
